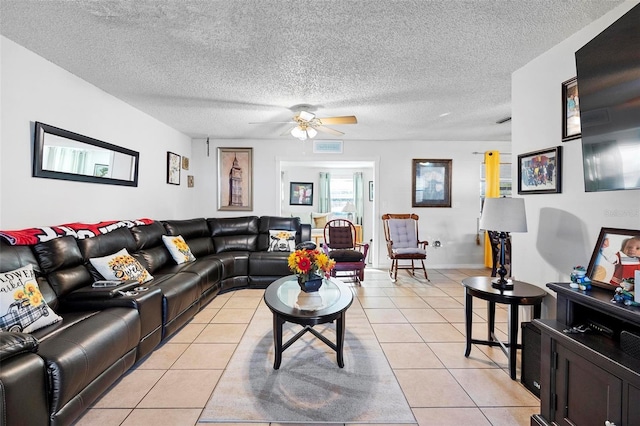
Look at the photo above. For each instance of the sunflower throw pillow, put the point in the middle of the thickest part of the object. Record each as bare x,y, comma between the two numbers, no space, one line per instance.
121,266
282,240
22,307
178,248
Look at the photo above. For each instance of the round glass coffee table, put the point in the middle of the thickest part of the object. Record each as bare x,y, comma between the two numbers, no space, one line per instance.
290,304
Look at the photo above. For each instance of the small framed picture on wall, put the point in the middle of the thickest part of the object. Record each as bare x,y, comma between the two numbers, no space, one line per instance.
570,111
540,172
173,168
301,194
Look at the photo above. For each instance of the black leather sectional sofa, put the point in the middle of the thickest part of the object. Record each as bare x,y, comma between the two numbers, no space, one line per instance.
54,374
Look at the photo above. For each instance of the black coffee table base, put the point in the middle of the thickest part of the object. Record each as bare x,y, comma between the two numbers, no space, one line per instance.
278,322
289,304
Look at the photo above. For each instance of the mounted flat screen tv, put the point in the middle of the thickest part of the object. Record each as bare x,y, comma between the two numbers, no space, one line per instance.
608,69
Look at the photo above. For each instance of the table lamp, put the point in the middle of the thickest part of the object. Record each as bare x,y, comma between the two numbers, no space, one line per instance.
503,215
349,208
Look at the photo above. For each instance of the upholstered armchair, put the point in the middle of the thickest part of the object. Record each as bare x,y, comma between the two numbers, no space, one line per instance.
340,245
403,244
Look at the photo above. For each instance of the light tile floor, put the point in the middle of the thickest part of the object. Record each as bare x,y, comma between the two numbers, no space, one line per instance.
420,327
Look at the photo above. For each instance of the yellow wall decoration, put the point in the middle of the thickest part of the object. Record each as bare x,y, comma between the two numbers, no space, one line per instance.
492,190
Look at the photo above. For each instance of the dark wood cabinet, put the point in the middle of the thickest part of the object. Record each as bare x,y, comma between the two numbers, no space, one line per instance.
587,378
586,393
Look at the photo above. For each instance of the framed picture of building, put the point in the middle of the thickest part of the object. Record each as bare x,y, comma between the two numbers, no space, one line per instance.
235,179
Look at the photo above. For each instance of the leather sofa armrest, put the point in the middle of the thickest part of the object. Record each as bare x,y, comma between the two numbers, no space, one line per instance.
305,232
94,293
12,344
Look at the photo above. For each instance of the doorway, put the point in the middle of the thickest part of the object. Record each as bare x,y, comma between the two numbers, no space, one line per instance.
293,171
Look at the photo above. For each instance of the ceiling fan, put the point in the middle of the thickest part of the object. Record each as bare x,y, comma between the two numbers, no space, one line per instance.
307,125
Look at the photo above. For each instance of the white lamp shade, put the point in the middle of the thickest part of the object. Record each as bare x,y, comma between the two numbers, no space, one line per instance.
311,132
349,207
306,116
504,215
297,132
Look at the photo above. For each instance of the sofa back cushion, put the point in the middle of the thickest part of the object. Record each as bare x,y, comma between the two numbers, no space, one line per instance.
190,228
268,223
234,234
110,243
14,257
150,250
61,261
147,236
195,233
104,245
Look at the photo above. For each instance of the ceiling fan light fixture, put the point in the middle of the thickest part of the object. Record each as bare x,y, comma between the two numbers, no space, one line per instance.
307,125
297,132
303,132
311,132
306,116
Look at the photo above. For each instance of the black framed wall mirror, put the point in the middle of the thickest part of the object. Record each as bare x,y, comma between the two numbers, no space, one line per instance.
61,154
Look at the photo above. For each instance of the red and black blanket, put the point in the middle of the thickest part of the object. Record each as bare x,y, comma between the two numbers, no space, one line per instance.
31,236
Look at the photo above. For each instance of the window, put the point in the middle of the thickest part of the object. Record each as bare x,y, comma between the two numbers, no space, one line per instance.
341,192
505,180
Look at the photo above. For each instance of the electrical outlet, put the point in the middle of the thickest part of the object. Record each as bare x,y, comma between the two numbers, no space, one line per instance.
437,243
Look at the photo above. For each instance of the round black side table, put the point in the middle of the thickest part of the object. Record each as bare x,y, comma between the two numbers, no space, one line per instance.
523,294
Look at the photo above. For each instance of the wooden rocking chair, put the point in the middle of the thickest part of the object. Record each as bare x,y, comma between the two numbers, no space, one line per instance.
403,244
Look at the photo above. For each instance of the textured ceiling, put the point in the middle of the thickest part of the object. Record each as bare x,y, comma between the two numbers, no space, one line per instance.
209,68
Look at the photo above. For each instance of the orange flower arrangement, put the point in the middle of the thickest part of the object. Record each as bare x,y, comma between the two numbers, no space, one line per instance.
310,262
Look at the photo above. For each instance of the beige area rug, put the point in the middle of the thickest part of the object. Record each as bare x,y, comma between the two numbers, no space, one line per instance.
309,386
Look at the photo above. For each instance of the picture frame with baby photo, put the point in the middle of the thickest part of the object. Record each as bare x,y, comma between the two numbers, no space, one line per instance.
615,257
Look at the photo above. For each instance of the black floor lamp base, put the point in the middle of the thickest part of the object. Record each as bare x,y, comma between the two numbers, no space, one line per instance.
501,283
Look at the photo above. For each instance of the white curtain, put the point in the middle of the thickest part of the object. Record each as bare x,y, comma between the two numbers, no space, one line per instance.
324,194
358,196
283,187
66,160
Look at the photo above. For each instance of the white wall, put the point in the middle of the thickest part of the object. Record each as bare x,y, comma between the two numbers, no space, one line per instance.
563,228
455,227
34,89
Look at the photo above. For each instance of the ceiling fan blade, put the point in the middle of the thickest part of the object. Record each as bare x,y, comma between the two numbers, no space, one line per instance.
272,122
328,130
288,132
347,119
